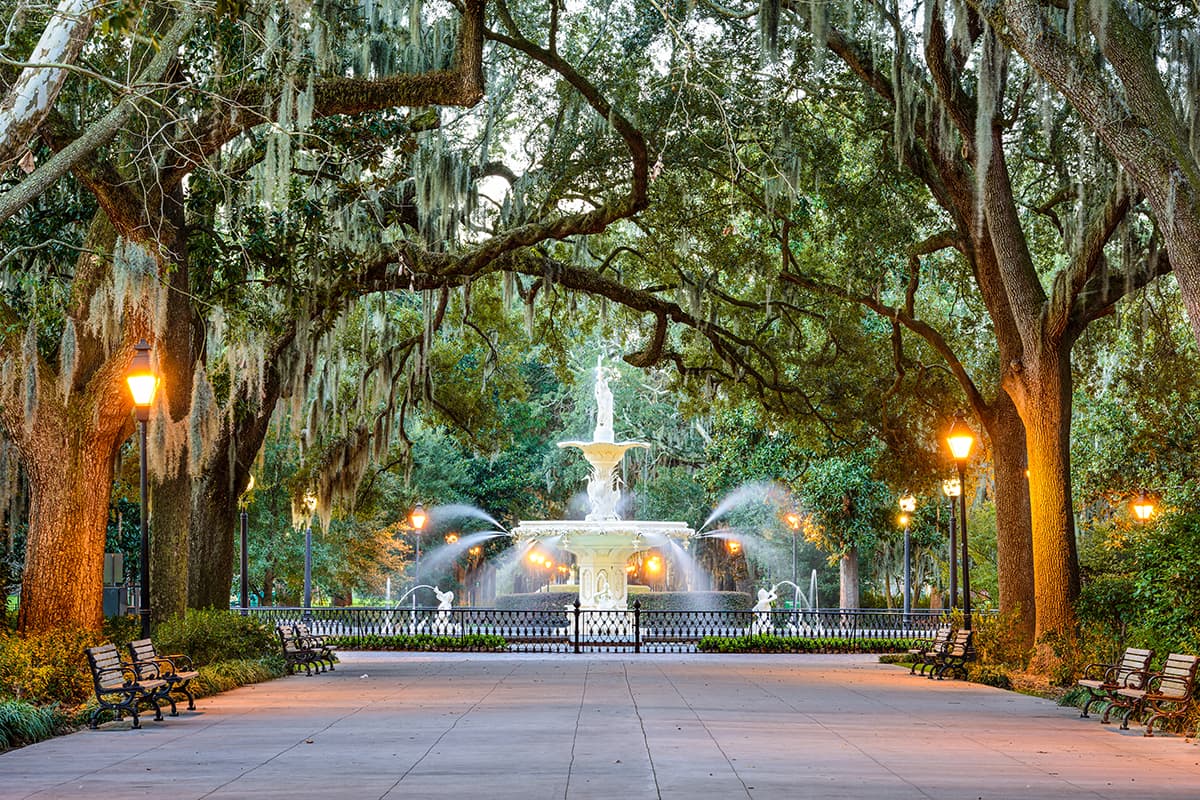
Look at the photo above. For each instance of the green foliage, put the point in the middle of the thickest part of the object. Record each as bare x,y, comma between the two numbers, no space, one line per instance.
225,675
998,642
769,643
210,636
848,505
23,723
694,601
989,675
422,642
536,601
47,667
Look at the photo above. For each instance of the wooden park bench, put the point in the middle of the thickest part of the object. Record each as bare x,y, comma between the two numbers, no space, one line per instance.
317,643
1167,694
175,669
955,657
118,686
1101,681
296,650
923,651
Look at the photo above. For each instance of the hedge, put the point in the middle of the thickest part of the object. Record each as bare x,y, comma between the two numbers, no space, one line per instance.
768,643
420,641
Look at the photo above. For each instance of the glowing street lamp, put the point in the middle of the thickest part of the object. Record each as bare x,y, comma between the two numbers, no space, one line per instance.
961,440
244,504
417,520
793,520
908,504
142,383
952,488
1143,507
451,538
733,546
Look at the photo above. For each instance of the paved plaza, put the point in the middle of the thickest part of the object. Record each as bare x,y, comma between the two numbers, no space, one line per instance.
618,727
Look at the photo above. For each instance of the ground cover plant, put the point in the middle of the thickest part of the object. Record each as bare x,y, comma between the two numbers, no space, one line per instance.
421,641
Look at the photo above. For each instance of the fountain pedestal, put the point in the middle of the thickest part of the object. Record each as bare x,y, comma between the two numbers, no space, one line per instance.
602,543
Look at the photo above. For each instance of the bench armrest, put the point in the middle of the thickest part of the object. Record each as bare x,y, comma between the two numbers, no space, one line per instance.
1106,673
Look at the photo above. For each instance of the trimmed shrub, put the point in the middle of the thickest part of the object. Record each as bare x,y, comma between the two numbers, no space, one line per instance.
211,636
23,723
768,643
536,601
421,641
694,601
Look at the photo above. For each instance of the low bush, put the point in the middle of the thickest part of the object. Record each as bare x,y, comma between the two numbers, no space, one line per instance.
769,643
989,675
225,675
47,667
421,641
211,636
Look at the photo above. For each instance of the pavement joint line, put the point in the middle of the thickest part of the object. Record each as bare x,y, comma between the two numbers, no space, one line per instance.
445,733
837,735
443,667
704,725
575,734
642,723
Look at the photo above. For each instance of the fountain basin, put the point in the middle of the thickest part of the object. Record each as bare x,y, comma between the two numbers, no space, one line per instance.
601,549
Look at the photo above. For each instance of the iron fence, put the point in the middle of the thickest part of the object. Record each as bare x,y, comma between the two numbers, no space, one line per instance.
577,630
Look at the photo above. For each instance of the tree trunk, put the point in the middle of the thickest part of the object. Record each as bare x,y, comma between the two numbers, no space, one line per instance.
171,490
1045,407
848,573
1014,533
70,475
214,520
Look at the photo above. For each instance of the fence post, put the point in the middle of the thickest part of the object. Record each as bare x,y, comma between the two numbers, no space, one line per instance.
576,624
637,626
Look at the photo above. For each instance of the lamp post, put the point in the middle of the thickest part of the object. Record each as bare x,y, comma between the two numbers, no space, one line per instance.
417,519
961,440
1143,507
908,504
792,518
952,488
244,593
142,384
310,506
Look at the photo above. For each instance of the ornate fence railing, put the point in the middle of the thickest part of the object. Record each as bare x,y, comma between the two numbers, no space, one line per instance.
577,630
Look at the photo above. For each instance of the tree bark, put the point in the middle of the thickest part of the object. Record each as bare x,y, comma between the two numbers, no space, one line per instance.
848,575
1045,406
1014,532
70,474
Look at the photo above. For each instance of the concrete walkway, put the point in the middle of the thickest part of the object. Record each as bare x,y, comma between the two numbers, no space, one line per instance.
613,727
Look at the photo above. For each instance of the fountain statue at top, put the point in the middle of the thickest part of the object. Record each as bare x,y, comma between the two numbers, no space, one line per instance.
602,542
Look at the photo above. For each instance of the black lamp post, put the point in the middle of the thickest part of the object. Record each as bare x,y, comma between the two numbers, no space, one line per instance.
908,504
792,518
142,383
310,506
244,593
417,520
952,488
961,440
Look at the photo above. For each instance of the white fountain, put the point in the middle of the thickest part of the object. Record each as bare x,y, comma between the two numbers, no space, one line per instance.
602,543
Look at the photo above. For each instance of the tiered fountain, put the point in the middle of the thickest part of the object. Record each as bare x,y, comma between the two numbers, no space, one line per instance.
602,543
